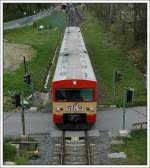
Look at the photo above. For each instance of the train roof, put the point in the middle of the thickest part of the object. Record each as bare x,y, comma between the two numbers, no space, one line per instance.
73,61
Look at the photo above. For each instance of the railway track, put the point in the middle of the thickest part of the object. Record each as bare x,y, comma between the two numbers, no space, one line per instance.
74,150
75,17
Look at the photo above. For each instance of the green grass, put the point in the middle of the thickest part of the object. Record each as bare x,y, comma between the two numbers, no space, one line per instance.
106,58
57,19
135,147
44,42
21,161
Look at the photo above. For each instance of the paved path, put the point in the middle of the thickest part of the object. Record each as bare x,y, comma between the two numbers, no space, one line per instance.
41,122
26,20
111,119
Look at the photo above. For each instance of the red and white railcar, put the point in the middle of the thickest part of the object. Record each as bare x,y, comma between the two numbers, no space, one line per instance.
74,82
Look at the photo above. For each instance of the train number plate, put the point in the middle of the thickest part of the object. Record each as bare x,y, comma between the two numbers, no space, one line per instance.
74,107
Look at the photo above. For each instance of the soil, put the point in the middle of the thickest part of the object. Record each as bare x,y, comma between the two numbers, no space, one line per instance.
41,98
13,55
135,54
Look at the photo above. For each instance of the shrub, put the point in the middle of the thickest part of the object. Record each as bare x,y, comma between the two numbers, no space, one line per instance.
9,152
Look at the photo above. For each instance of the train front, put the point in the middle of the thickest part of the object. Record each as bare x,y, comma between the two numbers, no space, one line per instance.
74,102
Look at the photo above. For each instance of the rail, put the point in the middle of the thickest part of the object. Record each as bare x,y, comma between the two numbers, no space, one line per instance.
75,17
62,154
87,149
141,124
75,150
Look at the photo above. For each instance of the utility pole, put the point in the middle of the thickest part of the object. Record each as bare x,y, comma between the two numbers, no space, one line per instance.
110,14
127,98
124,108
32,87
28,79
113,88
23,119
25,67
18,102
117,76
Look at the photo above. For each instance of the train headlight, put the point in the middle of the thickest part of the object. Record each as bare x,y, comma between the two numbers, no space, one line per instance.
90,108
59,109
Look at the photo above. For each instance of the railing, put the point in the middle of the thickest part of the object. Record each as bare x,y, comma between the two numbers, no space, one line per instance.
140,124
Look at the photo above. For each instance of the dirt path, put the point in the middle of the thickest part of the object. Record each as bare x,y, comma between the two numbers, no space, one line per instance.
13,55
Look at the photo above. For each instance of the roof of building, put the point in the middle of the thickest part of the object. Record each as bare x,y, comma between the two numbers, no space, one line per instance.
73,61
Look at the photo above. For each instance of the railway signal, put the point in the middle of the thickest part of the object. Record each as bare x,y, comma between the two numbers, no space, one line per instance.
16,100
130,95
127,98
117,76
27,78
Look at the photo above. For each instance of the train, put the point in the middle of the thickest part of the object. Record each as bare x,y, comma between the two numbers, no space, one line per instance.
74,83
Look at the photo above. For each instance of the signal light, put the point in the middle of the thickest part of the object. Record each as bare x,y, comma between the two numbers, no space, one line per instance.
118,76
129,95
16,100
63,6
27,79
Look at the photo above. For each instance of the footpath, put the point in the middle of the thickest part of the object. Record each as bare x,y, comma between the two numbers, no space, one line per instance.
26,20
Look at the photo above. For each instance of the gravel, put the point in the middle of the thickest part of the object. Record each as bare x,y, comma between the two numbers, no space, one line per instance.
50,150
44,149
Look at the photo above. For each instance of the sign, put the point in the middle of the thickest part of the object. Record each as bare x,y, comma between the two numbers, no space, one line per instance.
75,107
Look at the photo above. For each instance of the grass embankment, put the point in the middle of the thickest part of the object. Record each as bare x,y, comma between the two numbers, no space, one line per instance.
135,147
44,42
106,58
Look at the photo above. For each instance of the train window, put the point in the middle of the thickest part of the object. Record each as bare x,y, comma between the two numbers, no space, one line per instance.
69,94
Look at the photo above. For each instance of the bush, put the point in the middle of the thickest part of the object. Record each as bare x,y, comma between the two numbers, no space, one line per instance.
142,60
9,152
35,25
129,40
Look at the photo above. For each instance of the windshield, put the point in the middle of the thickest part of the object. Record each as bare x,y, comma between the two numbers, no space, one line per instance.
74,94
